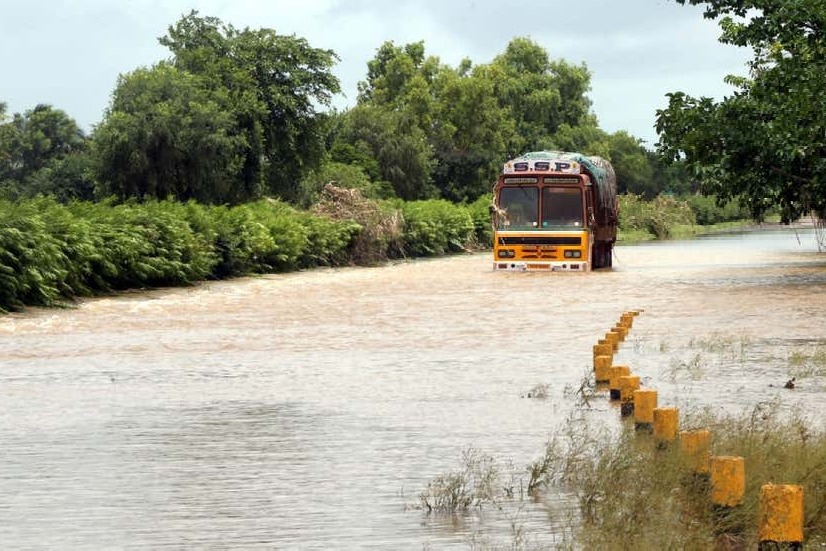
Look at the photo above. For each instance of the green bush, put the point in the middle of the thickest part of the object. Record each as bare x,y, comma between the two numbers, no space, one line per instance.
708,212
51,252
435,227
32,262
480,214
657,217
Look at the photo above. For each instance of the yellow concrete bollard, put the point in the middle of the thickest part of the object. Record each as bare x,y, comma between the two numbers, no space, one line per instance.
781,515
614,374
602,366
603,350
695,445
728,480
645,400
628,384
623,331
666,420
614,338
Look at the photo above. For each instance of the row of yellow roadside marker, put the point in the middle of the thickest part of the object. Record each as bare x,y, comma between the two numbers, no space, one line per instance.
781,505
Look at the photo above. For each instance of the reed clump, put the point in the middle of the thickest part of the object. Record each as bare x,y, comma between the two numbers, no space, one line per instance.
630,493
634,494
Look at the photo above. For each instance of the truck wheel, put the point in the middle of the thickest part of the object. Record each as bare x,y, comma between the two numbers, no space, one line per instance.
598,254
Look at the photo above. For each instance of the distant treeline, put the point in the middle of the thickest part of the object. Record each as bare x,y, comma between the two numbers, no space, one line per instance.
238,115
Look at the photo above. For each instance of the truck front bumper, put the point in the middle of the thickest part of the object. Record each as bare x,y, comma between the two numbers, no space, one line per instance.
540,266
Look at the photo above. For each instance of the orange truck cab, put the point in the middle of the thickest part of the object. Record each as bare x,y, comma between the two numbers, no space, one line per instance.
554,211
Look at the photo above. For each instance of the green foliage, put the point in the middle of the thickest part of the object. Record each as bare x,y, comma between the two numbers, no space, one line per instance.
764,143
273,82
398,146
42,151
540,94
436,227
439,131
657,217
168,133
631,163
471,133
67,178
479,212
32,263
50,253
708,211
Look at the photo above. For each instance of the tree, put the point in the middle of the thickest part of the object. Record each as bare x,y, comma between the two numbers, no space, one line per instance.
166,134
541,94
470,133
399,146
32,139
635,173
43,151
765,143
274,83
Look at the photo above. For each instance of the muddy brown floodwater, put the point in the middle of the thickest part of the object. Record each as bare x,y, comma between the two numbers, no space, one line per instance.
309,410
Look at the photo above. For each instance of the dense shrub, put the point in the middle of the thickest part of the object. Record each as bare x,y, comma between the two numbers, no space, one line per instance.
51,252
480,214
657,217
435,227
708,212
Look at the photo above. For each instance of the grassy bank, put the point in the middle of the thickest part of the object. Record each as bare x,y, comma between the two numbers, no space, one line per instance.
667,217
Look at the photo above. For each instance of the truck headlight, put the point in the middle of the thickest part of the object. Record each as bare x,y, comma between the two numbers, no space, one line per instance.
506,253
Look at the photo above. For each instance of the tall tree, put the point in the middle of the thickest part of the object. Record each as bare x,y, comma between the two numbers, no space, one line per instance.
766,143
34,138
166,134
43,151
542,94
275,81
470,133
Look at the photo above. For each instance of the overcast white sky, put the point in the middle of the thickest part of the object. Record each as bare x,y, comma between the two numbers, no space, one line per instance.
69,53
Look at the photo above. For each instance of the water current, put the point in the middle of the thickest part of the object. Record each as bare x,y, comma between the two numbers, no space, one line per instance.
309,410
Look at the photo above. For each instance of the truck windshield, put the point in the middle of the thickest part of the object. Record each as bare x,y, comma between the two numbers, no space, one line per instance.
561,207
521,207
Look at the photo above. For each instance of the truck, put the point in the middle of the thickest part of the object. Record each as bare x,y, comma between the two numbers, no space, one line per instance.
554,211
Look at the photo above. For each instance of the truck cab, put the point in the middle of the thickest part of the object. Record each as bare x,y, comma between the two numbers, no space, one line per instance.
546,215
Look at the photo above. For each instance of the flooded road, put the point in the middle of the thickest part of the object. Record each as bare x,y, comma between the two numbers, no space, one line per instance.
309,410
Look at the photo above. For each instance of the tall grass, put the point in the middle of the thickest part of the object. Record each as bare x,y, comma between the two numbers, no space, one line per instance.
630,493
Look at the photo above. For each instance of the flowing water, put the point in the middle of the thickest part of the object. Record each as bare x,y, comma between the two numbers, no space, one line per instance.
309,410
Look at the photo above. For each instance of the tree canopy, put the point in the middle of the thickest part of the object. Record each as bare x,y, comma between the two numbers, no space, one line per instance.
230,116
766,142
44,151
236,114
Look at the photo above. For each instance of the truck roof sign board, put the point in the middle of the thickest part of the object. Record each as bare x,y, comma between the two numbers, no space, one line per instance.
542,164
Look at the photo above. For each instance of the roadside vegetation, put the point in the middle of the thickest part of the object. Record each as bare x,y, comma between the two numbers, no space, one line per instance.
628,492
